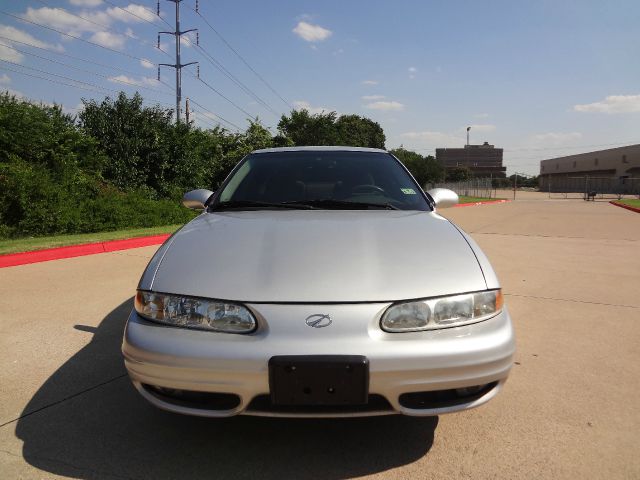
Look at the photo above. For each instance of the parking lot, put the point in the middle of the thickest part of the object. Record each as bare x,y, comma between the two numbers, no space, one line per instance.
570,270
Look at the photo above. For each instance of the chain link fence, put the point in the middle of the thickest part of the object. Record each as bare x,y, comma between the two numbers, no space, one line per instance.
474,187
600,188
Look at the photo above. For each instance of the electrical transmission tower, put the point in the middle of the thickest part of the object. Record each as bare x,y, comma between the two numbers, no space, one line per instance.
178,66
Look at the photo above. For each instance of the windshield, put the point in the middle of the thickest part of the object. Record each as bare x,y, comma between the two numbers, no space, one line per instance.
322,179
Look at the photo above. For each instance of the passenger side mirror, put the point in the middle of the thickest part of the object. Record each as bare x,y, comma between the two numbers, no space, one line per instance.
196,199
443,197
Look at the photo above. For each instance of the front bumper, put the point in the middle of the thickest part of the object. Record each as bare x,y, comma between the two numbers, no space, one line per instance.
400,363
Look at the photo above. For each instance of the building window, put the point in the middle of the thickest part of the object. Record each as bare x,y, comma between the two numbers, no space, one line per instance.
595,162
574,164
624,159
557,166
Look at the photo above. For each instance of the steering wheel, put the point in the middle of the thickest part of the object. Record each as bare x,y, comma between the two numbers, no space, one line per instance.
367,189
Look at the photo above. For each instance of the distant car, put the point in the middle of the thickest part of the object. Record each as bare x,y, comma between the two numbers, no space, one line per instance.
319,281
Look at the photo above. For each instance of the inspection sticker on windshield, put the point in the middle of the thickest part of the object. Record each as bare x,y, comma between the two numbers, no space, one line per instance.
408,191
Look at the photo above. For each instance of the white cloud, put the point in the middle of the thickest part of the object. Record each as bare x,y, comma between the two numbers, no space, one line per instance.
372,97
304,105
136,13
61,19
10,55
311,33
18,35
5,79
147,63
85,3
108,39
612,104
556,138
385,105
139,82
435,139
483,128
370,82
412,69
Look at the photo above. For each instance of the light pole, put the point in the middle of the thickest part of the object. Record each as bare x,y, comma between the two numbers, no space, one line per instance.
468,128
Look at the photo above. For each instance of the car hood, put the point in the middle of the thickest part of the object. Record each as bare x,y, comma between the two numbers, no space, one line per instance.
317,256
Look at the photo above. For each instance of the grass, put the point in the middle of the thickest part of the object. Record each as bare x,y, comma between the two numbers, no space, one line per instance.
39,243
630,201
465,199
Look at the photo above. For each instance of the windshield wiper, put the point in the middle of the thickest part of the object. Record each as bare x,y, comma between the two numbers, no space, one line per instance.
330,203
250,204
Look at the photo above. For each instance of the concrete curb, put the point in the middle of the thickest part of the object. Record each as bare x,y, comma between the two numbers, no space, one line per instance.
628,207
58,253
487,202
36,256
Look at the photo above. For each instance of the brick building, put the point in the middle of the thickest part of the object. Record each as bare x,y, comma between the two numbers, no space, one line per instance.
483,160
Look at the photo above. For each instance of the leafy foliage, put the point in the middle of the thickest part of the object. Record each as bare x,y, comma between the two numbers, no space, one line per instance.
122,164
458,174
304,128
424,169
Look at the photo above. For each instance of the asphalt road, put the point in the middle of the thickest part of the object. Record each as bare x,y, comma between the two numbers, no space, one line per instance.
570,270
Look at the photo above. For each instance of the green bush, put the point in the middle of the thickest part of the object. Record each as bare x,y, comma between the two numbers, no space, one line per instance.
122,164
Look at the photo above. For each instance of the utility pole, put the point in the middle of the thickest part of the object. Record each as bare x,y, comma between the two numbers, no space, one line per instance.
186,110
178,66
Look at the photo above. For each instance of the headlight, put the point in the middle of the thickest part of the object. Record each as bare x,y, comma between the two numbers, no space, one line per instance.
189,312
433,313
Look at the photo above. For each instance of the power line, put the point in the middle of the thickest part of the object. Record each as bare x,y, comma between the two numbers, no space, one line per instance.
216,63
138,16
89,86
101,25
215,115
73,36
52,81
230,47
113,79
224,97
104,65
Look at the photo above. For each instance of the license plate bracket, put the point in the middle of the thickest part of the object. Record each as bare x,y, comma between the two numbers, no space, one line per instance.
319,380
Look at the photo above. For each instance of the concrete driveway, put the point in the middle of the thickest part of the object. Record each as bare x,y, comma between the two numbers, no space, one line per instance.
570,269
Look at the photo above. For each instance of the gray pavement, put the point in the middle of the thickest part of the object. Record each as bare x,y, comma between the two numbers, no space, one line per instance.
570,270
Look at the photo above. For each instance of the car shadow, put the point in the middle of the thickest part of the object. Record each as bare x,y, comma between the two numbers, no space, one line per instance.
87,421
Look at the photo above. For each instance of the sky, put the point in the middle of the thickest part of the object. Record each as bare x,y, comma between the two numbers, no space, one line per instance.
540,79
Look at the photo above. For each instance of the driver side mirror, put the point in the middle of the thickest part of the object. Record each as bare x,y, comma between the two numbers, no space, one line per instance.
196,199
443,197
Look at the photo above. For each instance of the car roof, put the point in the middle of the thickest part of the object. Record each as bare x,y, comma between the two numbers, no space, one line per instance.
319,149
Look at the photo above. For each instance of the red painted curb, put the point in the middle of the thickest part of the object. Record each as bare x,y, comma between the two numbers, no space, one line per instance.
24,258
628,207
487,202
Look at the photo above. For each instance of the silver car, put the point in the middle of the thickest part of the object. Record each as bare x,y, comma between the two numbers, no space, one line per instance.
319,281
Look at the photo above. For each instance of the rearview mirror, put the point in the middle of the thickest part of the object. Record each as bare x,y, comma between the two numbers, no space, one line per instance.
444,197
196,199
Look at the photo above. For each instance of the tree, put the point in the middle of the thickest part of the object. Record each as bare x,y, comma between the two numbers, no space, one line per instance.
357,131
424,169
458,174
304,128
136,139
